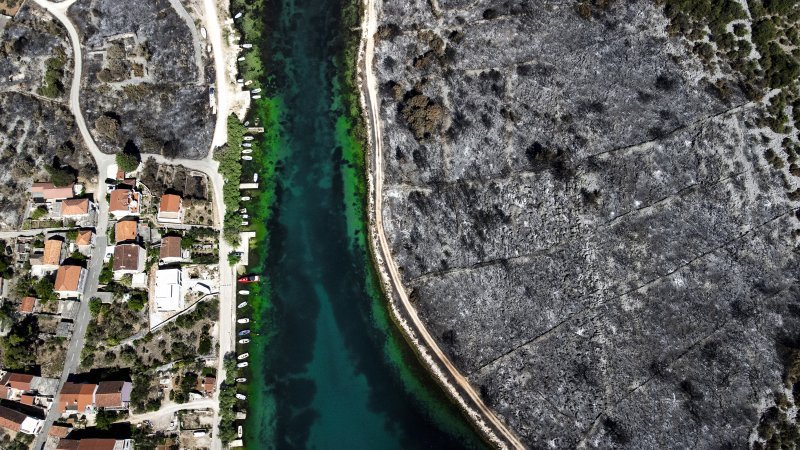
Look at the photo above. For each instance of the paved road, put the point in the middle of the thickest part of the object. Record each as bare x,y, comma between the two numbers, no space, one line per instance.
59,11
502,435
103,161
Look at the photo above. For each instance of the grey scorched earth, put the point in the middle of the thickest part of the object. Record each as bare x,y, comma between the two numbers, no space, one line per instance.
589,229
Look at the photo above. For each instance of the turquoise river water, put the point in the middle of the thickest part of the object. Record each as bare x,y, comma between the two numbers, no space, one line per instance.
328,368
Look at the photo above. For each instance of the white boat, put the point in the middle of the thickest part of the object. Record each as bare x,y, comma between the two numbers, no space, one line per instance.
245,216
248,82
203,32
241,396
243,320
247,45
239,432
244,341
241,305
247,158
242,364
244,292
241,380
240,80
255,177
256,90
239,14
244,332
241,58
246,122
248,138
243,356
243,210
247,145
245,198
247,151
256,97
245,223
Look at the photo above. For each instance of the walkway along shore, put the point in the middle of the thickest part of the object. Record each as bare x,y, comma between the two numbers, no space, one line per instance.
492,427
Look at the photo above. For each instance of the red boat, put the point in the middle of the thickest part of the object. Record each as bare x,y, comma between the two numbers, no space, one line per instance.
249,279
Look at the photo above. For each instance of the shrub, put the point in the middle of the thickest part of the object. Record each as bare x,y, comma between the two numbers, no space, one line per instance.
127,162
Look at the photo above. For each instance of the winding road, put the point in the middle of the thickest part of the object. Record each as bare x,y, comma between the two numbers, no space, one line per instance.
492,426
104,161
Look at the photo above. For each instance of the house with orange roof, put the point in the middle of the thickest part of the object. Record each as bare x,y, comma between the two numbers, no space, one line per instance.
170,209
48,192
27,305
128,259
113,395
85,239
124,202
75,208
17,383
70,281
17,421
77,398
49,260
125,230
170,251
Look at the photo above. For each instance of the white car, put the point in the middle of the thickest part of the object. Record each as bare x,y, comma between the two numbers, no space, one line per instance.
243,320
243,356
242,365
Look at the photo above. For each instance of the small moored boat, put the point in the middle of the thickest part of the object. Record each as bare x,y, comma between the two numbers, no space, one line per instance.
241,396
245,198
249,278
244,332
241,305
244,341
256,97
243,356
247,151
242,365
244,292
248,138
243,320
241,380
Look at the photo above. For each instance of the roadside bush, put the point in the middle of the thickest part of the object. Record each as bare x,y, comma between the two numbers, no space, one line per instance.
127,162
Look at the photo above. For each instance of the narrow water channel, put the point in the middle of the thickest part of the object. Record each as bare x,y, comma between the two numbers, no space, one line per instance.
329,370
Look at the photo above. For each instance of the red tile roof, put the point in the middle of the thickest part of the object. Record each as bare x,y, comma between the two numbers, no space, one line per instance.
11,419
126,257
76,396
170,203
68,278
109,394
75,207
170,247
52,252
125,230
84,237
19,381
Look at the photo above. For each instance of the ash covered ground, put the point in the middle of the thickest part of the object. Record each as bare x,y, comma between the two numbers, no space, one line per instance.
146,77
586,223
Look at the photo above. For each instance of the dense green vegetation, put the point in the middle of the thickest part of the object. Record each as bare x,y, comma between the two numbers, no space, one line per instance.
230,167
227,402
52,85
18,345
41,288
127,162
60,176
185,385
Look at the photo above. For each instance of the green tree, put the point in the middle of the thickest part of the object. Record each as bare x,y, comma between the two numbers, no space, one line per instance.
127,162
60,177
